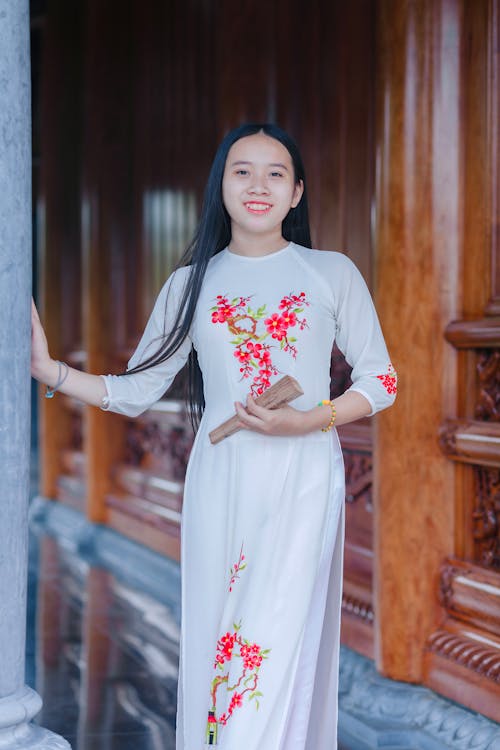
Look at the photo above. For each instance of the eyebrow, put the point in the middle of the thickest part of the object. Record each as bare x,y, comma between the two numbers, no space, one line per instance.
282,166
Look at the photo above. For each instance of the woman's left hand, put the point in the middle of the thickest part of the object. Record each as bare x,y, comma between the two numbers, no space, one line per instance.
283,421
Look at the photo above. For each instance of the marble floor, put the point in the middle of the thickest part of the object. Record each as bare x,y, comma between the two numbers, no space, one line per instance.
102,651
102,655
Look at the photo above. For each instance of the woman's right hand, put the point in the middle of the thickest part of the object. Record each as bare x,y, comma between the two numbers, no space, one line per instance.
80,385
40,357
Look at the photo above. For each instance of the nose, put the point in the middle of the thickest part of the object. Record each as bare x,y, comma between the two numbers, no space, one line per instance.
259,185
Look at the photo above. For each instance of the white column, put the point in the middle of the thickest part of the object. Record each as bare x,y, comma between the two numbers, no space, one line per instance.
18,703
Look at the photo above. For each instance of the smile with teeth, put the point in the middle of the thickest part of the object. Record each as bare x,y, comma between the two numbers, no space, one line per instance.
256,207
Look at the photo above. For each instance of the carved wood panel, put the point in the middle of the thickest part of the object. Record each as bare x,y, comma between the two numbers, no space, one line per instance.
486,517
488,379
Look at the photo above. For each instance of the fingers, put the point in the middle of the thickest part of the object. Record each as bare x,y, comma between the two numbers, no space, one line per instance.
248,421
255,409
34,311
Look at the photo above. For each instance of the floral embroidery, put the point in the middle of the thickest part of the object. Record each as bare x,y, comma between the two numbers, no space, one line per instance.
389,380
230,647
236,569
243,322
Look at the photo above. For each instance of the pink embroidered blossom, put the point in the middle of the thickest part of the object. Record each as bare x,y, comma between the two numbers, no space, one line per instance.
275,325
225,647
253,356
389,380
251,655
236,702
289,319
233,648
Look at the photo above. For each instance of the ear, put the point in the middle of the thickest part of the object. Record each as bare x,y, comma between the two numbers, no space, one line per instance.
297,193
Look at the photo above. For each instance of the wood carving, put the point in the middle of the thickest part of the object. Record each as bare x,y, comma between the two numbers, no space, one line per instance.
447,438
469,653
359,478
488,372
471,441
358,608
171,445
448,573
486,517
470,593
474,334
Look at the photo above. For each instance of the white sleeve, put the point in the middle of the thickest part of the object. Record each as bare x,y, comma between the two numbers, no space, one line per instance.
359,337
133,394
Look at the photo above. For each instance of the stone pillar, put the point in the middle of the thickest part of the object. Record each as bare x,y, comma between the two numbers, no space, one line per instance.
418,250
18,703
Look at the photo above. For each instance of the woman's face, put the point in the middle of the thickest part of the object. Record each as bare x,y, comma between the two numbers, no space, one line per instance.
258,186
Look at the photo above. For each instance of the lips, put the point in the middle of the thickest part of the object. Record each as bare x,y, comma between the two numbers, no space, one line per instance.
257,207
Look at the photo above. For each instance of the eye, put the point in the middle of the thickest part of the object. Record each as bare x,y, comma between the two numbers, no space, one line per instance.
242,172
276,174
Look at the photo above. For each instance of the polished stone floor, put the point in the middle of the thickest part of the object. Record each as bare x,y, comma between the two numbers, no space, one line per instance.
102,651
102,655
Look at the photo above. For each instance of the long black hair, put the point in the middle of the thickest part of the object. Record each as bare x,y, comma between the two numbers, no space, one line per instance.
213,235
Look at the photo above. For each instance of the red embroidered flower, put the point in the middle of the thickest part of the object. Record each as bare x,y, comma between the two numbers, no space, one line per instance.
274,324
245,683
389,380
243,322
223,313
251,656
242,356
289,319
225,646
236,702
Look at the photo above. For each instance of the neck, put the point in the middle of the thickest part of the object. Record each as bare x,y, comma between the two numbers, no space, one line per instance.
255,245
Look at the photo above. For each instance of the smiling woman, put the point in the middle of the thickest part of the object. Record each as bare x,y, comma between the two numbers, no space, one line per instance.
259,181
261,592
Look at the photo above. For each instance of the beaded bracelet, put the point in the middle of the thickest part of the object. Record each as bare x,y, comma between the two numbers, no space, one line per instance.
327,402
49,393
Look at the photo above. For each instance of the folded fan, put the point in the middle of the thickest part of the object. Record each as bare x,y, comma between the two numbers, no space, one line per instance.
279,394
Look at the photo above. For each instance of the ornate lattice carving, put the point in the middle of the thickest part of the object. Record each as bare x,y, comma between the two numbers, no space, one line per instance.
358,470
486,517
488,371
467,652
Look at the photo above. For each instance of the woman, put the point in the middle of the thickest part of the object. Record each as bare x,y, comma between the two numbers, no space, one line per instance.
262,528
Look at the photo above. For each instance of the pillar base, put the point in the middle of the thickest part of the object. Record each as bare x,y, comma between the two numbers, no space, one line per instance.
16,731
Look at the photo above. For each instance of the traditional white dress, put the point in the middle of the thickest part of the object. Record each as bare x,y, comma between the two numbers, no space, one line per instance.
263,518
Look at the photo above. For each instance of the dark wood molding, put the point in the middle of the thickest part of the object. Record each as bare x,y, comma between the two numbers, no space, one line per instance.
471,593
474,334
461,660
471,441
481,658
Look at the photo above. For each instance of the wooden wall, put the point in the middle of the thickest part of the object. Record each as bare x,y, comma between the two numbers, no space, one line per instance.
437,521
395,106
